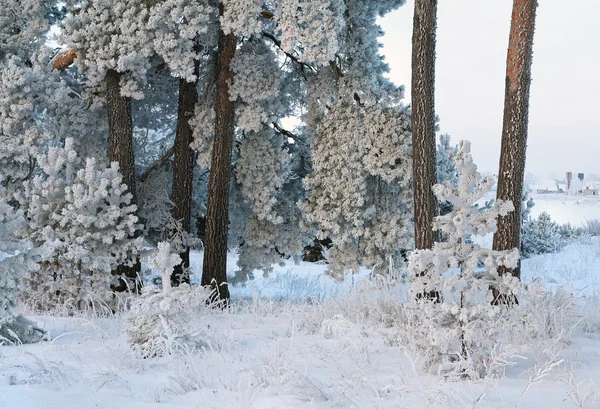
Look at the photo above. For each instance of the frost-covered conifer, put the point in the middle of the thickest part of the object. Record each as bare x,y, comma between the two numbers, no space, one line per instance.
462,325
313,28
359,192
17,258
445,168
22,23
242,17
112,35
264,219
82,211
541,236
20,135
181,30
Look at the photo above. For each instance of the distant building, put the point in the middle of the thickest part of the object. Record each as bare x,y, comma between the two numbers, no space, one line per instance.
546,186
591,189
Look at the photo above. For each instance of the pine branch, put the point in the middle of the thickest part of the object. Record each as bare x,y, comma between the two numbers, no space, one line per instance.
157,164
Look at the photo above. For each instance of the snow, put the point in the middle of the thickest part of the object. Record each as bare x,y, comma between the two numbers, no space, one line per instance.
300,339
566,209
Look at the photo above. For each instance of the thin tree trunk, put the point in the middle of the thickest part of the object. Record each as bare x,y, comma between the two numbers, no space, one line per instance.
514,129
183,170
120,149
423,123
214,271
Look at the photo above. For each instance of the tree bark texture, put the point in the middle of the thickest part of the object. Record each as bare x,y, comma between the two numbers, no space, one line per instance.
423,120
183,170
514,129
214,271
423,126
120,149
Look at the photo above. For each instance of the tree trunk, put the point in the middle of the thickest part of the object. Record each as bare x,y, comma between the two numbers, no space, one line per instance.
514,129
214,271
423,124
120,149
183,170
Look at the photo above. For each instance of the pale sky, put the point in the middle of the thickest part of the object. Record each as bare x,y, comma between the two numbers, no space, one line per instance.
472,38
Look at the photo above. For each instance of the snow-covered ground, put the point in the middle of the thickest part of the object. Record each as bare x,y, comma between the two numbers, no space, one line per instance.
567,209
298,339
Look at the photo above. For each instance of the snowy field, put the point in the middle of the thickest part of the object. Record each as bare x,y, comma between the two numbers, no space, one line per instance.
298,339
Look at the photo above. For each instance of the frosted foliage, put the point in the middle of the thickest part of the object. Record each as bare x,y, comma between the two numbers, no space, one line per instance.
251,117
257,80
445,167
323,94
265,243
257,252
112,34
165,261
256,73
22,23
20,136
178,26
83,212
542,236
312,27
159,323
36,106
16,260
363,68
242,17
203,128
359,192
259,172
463,329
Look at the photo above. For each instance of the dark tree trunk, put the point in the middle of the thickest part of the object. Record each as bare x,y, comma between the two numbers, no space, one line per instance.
183,170
423,123
514,129
214,271
120,149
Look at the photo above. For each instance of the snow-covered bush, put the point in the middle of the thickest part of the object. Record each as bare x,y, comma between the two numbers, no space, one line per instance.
592,227
161,319
82,213
459,332
543,235
16,259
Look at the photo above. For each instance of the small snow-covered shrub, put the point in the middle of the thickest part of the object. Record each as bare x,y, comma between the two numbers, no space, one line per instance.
592,227
82,214
543,235
161,319
590,322
551,315
459,333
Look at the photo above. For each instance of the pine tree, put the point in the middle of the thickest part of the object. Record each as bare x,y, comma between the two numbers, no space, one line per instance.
358,194
462,273
514,129
114,45
82,214
185,32
214,270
